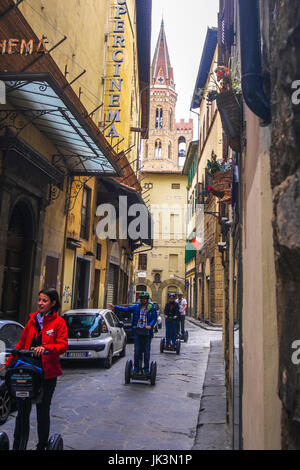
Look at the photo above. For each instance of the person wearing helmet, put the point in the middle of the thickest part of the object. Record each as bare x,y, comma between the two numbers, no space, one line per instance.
182,309
171,317
143,321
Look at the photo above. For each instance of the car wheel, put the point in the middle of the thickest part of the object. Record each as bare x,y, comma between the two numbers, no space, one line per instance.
108,360
4,441
123,352
5,405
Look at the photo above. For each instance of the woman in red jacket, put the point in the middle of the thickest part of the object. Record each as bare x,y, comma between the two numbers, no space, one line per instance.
45,331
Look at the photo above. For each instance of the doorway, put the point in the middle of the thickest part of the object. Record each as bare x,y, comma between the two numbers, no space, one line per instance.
19,259
82,282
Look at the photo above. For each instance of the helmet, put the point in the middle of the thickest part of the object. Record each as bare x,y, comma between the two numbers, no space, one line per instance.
180,293
171,294
144,294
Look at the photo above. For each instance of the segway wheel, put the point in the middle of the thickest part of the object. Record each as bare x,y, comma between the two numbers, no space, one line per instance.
178,346
4,441
186,336
55,442
153,370
128,371
162,345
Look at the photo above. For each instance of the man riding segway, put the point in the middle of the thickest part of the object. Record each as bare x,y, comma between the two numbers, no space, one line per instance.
143,322
182,303
171,316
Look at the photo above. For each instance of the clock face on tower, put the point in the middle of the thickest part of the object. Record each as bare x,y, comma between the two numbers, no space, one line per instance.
161,79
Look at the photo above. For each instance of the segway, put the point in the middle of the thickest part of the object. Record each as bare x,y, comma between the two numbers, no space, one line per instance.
184,337
24,382
140,376
171,348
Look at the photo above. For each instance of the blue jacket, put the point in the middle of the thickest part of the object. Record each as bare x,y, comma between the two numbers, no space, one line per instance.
136,309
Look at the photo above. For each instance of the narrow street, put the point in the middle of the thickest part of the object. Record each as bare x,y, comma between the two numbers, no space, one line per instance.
94,410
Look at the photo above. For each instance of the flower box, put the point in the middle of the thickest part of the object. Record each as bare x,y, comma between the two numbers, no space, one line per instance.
231,115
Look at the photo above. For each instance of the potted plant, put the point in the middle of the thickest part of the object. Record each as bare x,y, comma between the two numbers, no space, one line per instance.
221,173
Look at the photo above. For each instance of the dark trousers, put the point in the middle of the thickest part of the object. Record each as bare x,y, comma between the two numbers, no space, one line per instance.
171,331
182,323
142,345
22,425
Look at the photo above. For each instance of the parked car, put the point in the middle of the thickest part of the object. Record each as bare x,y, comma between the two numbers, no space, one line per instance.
94,334
126,319
159,319
10,332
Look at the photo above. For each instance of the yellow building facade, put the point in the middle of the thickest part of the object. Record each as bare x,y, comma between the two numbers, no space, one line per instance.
80,38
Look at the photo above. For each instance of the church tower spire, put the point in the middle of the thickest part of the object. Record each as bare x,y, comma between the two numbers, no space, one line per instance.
162,151
162,71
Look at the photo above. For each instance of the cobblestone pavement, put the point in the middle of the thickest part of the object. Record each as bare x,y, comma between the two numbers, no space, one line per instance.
94,410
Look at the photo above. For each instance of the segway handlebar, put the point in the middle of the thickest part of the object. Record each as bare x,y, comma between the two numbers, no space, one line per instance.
23,352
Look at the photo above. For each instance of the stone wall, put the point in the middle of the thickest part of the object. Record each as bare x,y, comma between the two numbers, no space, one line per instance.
285,179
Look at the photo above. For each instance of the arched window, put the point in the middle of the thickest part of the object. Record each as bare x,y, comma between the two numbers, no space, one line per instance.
140,288
159,118
181,150
158,149
170,151
171,120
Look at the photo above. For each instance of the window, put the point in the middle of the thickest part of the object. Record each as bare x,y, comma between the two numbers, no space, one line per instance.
170,151
173,262
175,186
158,149
10,335
181,150
159,118
142,262
85,213
157,277
175,228
170,120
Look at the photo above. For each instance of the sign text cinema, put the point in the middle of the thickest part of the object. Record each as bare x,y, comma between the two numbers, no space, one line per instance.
118,46
22,46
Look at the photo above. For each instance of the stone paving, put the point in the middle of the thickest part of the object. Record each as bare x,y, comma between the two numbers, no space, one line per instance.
94,410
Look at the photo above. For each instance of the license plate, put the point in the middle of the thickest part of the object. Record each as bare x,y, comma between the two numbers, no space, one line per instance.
77,355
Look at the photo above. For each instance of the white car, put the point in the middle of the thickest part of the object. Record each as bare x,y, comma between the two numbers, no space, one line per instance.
94,334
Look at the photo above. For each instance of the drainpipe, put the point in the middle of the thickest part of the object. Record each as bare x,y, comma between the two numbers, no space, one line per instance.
252,82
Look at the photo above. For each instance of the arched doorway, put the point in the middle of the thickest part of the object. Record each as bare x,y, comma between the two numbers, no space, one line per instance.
18,268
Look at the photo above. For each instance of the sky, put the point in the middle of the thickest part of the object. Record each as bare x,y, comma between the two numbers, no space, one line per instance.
186,24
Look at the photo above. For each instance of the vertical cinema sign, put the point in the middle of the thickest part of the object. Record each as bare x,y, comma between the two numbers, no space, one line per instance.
115,82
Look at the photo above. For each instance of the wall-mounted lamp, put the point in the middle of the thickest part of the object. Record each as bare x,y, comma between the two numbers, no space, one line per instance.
89,253
222,247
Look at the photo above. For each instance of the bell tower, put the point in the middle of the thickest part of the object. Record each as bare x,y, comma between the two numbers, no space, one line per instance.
161,150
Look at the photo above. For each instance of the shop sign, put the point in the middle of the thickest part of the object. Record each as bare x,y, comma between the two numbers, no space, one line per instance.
117,54
22,46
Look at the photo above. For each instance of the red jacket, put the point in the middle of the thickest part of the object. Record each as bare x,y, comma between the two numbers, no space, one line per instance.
54,340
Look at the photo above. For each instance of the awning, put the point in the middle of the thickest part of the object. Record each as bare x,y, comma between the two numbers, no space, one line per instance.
39,98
